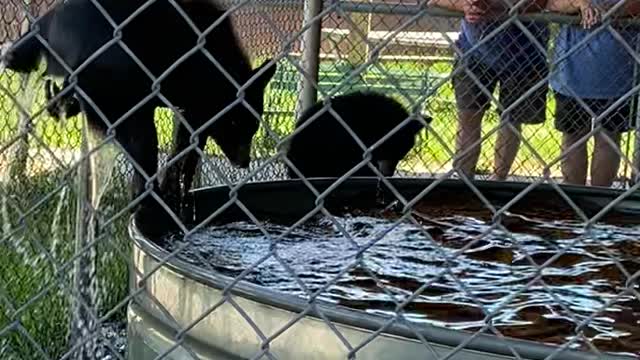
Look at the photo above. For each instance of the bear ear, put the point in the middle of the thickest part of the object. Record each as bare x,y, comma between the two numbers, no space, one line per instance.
264,75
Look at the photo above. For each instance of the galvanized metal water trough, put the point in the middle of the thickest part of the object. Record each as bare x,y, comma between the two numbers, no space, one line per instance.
177,294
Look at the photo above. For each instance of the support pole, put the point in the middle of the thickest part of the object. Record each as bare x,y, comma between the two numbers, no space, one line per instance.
310,56
21,154
83,299
359,53
635,177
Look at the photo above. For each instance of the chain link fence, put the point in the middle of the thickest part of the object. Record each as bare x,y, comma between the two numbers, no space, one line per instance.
527,100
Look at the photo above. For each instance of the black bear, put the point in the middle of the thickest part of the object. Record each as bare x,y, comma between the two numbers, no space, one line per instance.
128,64
325,148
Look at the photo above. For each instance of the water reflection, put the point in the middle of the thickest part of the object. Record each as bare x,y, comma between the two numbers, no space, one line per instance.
499,271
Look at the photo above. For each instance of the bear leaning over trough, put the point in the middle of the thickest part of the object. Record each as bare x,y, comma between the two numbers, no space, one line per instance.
326,149
116,85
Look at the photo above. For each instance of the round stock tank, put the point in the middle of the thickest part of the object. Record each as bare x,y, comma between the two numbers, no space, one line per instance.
176,294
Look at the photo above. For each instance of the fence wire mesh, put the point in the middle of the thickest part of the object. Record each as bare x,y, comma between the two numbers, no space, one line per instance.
528,98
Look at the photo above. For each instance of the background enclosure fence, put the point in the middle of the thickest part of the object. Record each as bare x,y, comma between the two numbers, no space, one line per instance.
51,199
416,56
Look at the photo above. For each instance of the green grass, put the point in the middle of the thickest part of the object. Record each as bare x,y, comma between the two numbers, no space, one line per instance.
414,78
35,250
26,273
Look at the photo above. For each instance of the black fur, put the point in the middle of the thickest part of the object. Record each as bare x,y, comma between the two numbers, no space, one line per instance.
159,36
326,149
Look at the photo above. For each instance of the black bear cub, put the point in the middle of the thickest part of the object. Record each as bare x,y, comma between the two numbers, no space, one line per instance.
325,148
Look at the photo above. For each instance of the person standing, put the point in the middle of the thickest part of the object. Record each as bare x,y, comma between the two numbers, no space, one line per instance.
513,59
592,82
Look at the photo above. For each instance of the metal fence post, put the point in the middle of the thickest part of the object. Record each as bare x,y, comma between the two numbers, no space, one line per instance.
83,298
359,53
635,176
21,155
310,56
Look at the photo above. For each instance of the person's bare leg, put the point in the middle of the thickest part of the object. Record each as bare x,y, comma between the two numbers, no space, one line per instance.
606,159
507,145
469,131
574,162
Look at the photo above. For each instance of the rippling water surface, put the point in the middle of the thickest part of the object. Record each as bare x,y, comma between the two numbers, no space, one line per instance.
464,270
